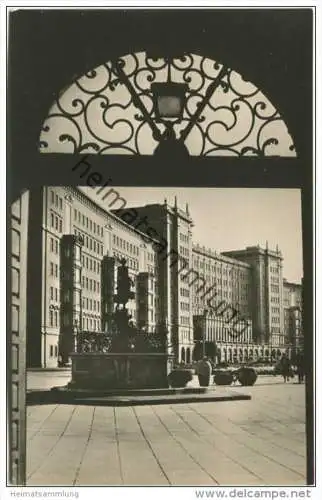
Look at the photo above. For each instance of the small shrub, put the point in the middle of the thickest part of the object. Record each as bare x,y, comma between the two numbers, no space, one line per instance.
179,377
246,376
223,377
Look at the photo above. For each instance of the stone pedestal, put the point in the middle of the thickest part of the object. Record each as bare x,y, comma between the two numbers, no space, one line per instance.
120,370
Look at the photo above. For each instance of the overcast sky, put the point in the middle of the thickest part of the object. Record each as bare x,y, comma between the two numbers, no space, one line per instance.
231,219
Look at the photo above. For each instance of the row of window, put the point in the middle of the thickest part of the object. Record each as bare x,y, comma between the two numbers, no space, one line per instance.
275,289
88,223
275,319
54,245
88,323
220,281
91,284
90,243
184,292
91,304
219,269
91,264
184,238
184,306
91,324
242,290
151,257
186,335
275,279
184,251
198,297
56,200
275,300
53,351
274,270
54,293
53,269
133,264
184,320
56,222
125,245
275,310
221,332
53,318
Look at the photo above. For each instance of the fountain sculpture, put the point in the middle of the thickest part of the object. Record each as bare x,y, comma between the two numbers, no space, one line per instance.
125,357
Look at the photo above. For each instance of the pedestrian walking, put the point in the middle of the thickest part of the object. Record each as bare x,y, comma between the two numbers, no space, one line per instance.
300,367
204,370
286,370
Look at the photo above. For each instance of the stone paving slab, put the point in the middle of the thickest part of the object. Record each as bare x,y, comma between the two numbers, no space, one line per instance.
256,442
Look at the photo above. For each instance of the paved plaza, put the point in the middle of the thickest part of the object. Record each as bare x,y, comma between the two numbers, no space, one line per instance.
256,442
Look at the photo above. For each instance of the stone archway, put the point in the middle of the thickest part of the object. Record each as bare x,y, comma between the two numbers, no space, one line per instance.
188,356
183,355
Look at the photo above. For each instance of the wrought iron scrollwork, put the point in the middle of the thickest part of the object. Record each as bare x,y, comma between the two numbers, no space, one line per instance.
141,342
93,342
110,110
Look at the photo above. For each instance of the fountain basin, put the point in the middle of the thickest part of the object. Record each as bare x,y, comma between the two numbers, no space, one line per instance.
97,370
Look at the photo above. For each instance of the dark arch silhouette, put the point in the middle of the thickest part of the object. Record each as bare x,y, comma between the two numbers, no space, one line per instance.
271,48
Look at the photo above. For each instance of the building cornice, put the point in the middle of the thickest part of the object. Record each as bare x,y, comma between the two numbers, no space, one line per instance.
199,250
109,215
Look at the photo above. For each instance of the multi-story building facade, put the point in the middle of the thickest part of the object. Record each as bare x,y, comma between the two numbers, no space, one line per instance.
266,301
221,301
292,302
232,300
172,227
70,239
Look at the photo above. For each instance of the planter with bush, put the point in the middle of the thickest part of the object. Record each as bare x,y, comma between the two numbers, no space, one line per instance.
246,376
179,377
223,377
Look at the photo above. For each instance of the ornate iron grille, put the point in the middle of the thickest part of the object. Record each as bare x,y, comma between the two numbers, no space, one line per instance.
110,110
141,342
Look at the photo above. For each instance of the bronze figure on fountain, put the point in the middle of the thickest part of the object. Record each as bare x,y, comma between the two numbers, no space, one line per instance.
124,285
125,330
